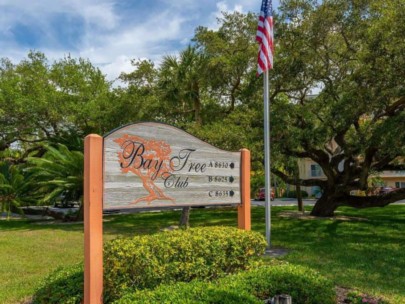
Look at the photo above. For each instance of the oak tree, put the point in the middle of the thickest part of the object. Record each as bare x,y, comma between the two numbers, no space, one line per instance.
351,53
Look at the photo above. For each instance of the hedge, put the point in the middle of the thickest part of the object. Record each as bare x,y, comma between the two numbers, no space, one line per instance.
65,285
195,292
305,286
147,261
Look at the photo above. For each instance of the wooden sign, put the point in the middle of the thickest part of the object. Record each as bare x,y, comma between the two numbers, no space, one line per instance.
157,165
151,164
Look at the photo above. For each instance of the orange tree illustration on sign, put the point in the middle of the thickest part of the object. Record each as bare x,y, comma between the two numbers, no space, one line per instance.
148,159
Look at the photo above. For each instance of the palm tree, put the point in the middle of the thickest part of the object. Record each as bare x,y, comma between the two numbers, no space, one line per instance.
181,82
59,175
14,188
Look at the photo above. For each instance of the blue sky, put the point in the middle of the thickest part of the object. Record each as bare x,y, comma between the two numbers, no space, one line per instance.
108,32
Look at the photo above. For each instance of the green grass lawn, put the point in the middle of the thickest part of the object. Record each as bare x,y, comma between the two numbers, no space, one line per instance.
368,255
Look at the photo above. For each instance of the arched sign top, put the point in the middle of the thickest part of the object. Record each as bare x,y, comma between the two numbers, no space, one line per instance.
156,165
156,125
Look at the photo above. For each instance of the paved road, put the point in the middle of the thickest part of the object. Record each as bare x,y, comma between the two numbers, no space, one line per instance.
284,202
293,202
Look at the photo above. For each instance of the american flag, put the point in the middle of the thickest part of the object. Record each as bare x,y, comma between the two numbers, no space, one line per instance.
264,36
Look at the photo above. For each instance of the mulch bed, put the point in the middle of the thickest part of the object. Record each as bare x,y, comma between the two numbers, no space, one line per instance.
345,296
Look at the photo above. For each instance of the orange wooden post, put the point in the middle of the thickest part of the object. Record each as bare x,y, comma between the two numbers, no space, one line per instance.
93,219
244,207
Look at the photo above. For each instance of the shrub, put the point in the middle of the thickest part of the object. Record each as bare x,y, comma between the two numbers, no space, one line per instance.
182,255
190,293
256,182
169,257
304,285
64,285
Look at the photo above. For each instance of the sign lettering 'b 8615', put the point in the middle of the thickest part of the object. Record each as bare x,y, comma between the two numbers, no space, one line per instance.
152,164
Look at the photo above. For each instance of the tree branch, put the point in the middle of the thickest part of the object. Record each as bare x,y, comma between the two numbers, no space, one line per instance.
298,154
348,45
294,181
393,109
375,200
383,163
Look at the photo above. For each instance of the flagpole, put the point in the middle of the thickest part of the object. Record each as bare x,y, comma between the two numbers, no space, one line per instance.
264,36
267,157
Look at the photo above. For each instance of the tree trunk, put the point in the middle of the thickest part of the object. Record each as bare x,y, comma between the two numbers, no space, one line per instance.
299,198
80,213
330,201
197,112
197,105
298,190
185,217
326,205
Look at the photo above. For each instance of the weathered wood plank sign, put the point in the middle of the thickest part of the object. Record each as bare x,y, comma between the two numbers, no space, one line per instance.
152,164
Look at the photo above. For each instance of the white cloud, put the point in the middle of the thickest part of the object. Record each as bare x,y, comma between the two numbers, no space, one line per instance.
105,42
110,37
114,52
224,6
121,64
100,13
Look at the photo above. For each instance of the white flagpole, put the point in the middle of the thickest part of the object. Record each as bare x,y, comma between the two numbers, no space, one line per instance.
267,157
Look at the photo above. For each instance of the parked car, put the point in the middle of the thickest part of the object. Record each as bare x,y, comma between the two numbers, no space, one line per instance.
260,196
385,190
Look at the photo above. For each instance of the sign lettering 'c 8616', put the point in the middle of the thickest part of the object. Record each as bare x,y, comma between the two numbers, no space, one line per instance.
156,165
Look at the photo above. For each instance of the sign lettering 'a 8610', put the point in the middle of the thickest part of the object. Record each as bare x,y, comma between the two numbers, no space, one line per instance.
152,164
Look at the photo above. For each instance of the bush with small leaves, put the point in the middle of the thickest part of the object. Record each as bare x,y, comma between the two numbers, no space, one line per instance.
305,286
147,261
64,285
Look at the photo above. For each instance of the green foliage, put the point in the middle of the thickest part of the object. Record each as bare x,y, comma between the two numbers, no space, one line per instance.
350,51
183,255
64,285
181,85
240,129
58,173
231,61
256,182
147,261
304,285
40,100
14,188
190,293
140,100
71,138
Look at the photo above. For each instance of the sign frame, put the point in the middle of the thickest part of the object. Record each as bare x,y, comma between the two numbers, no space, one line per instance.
93,212
150,164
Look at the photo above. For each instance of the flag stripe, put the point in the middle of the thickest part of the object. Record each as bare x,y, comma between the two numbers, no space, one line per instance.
264,36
